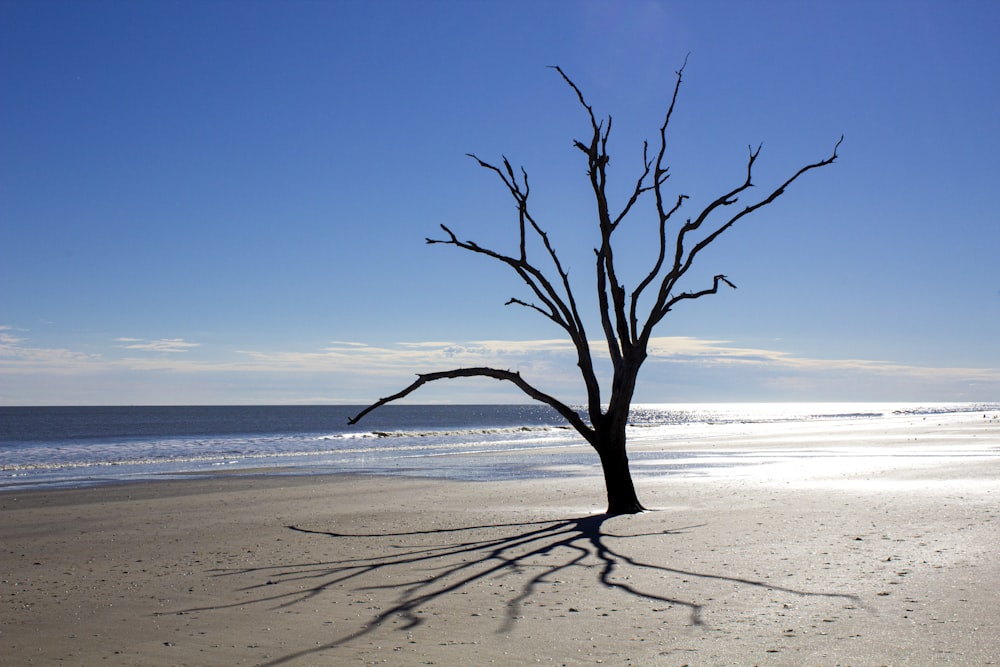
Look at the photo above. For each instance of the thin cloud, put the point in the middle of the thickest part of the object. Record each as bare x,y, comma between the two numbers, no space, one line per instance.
680,349
357,369
8,340
169,345
558,357
16,356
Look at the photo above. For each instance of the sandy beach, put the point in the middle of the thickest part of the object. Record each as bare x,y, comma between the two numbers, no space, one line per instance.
854,543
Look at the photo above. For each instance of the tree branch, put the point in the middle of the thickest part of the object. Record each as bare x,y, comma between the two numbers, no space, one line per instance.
559,312
518,302
562,307
780,190
568,413
683,262
655,271
660,175
697,295
611,294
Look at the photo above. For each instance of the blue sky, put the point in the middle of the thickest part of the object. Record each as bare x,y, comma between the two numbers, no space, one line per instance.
226,202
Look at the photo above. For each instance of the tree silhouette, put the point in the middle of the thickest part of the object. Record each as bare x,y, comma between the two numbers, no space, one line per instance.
626,332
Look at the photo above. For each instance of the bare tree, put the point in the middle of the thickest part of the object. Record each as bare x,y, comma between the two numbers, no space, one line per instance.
626,332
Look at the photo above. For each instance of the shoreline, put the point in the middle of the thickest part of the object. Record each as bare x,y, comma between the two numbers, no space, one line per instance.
786,560
687,450
424,442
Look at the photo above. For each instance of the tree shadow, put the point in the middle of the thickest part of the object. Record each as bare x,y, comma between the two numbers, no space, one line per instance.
455,565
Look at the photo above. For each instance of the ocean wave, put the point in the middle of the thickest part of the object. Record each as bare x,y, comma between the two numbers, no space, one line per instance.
446,433
340,454
948,409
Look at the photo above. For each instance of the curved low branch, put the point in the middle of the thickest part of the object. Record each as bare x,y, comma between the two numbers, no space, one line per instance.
568,413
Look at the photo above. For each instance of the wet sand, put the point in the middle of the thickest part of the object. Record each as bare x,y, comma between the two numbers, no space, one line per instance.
854,543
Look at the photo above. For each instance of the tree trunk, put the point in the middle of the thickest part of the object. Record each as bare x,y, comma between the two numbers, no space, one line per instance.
622,498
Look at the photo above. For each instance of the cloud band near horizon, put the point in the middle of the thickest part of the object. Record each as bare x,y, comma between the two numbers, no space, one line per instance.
133,370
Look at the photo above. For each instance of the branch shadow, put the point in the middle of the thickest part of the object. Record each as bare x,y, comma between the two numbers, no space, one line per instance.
454,565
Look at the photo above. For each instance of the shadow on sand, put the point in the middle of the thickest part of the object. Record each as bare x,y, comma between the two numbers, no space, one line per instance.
538,551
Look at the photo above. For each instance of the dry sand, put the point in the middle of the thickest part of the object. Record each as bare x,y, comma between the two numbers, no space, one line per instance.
835,544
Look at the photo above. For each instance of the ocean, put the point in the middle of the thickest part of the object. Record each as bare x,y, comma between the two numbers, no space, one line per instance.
56,447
